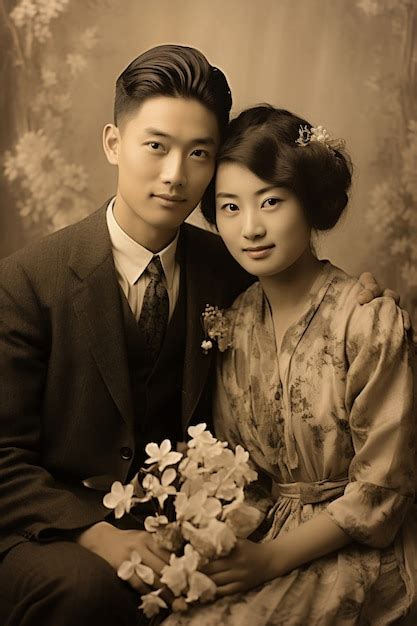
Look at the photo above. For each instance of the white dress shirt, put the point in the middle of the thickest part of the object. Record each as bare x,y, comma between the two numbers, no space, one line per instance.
131,260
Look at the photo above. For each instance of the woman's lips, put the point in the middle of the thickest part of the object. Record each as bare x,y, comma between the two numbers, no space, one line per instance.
258,252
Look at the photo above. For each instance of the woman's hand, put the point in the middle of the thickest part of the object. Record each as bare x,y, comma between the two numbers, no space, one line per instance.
251,564
247,566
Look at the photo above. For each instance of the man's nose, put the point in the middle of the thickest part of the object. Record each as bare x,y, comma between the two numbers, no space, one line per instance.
174,170
253,227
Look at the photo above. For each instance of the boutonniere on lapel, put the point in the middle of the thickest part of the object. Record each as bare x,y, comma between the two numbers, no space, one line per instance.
216,329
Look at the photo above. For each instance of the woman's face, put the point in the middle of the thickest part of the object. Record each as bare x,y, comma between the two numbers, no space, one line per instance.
264,227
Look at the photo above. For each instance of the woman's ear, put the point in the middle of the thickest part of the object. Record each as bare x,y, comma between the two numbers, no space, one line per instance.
111,142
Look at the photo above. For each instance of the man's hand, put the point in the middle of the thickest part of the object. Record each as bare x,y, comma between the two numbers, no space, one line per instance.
115,546
371,289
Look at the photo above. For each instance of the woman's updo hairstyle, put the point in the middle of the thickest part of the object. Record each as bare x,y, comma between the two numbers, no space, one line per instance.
263,139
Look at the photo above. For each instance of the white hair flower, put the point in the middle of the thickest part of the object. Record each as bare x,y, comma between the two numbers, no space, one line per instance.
320,134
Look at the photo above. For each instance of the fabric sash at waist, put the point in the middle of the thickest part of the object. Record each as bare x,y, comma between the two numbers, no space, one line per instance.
311,493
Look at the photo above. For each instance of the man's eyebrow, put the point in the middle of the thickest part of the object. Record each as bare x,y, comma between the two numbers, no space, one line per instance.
155,132
226,194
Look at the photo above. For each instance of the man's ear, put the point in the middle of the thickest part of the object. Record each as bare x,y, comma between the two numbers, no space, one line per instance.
111,143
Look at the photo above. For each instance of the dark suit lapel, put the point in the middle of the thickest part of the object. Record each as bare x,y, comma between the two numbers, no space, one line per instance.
97,305
200,290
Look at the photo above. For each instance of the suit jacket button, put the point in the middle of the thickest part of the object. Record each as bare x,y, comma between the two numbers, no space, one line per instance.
126,453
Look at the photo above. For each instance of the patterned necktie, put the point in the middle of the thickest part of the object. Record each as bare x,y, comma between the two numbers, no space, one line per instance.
153,319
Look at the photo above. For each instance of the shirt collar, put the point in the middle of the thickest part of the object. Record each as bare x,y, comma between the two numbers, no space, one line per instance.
132,258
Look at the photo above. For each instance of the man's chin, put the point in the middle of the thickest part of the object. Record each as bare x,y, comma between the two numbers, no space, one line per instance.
168,221
166,225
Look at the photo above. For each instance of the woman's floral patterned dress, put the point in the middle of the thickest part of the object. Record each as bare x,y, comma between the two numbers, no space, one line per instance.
329,425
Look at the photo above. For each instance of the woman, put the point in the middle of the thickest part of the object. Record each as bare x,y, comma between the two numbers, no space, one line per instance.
318,388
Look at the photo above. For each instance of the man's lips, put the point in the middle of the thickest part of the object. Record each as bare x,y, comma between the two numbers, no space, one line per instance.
169,198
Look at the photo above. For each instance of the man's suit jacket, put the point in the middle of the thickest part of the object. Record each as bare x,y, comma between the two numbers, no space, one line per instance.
66,411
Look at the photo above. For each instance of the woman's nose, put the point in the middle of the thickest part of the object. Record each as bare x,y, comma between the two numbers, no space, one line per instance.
253,227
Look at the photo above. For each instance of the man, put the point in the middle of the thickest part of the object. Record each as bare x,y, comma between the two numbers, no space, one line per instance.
95,324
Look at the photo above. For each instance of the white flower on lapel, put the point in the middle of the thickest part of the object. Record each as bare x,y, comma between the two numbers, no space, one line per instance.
216,329
206,345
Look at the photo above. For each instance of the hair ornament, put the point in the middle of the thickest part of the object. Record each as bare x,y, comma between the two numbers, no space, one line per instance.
320,134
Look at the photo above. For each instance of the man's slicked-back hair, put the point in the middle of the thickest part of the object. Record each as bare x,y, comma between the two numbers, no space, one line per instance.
173,71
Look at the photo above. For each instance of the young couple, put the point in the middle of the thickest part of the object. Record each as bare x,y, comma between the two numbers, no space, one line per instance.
100,344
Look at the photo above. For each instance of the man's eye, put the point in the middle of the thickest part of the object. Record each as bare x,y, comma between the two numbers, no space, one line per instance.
271,202
200,154
155,146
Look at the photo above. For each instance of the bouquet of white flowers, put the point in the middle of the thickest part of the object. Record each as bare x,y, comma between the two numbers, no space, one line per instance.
206,487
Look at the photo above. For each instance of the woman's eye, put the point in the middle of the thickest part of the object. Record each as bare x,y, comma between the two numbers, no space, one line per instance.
230,207
271,202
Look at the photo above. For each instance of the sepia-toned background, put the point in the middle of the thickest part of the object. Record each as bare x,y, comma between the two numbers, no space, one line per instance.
350,65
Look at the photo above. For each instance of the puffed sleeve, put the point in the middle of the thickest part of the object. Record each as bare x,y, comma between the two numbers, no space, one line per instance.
379,399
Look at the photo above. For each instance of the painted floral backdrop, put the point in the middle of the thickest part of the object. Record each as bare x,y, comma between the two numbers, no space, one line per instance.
393,199
51,191
55,50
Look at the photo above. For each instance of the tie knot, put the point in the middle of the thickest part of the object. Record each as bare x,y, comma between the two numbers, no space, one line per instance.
155,269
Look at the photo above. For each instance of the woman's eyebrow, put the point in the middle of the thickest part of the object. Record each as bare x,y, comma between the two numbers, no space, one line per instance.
226,194
265,189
